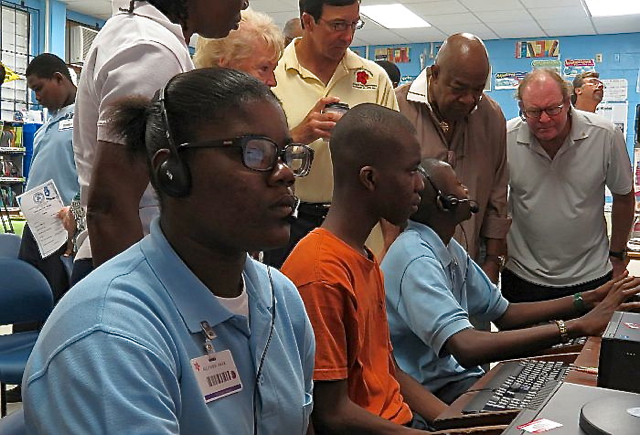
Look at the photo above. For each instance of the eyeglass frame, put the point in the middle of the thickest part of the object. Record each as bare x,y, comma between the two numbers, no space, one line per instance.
525,116
353,26
241,142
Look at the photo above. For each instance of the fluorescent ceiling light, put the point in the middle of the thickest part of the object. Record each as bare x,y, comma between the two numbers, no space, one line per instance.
610,8
394,16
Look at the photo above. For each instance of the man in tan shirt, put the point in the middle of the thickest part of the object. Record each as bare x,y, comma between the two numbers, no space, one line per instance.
314,70
459,124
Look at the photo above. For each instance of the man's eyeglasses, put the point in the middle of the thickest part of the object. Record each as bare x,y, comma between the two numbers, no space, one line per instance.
536,113
341,26
260,153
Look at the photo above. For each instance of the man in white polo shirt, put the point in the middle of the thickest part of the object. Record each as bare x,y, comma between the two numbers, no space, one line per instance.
315,70
560,160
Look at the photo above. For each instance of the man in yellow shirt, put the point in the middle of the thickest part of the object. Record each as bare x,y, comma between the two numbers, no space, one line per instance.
315,70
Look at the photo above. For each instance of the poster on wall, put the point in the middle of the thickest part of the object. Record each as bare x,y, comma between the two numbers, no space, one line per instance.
573,67
539,48
549,64
395,55
616,113
509,80
615,89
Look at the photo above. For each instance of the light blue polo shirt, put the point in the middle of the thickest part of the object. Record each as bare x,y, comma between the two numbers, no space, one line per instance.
431,291
53,155
114,356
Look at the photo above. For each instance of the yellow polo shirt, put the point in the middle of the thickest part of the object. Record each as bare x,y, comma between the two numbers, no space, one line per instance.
355,81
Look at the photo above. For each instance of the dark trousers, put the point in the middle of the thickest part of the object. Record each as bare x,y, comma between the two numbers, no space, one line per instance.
516,289
310,216
81,268
52,267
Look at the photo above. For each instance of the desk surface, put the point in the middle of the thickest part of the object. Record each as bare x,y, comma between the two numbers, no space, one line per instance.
453,416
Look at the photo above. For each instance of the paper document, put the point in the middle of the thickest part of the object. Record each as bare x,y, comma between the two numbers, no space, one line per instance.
40,206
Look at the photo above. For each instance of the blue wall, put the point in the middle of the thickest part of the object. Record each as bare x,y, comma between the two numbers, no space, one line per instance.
620,59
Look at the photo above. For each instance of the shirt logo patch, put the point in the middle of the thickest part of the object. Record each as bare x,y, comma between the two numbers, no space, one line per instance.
362,78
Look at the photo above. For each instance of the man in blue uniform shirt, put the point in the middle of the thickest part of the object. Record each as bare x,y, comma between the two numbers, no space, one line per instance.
184,332
49,78
433,286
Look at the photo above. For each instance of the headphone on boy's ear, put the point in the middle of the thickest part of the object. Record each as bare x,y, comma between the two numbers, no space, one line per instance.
172,175
450,202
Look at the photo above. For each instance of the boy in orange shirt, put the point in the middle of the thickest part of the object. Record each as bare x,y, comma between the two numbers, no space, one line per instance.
358,387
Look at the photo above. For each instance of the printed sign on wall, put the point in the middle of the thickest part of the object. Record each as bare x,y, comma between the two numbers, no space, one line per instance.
539,48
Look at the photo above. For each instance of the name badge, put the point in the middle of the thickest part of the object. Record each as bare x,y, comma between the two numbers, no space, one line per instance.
65,124
217,375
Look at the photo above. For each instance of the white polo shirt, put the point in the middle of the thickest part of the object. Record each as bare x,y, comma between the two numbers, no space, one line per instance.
558,235
133,54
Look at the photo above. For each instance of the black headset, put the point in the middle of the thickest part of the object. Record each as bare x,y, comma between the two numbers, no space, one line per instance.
450,202
173,175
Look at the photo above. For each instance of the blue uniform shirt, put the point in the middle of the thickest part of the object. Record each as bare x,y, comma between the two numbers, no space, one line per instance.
53,155
114,356
431,291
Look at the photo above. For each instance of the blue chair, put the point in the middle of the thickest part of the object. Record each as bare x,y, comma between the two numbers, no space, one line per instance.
9,245
25,296
13,424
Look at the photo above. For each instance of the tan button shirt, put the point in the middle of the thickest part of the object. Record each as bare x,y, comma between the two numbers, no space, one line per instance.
478,148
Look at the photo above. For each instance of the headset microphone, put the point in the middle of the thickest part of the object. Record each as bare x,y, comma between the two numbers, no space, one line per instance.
473,206
294,214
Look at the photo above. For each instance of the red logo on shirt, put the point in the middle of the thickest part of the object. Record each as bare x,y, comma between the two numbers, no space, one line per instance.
362,77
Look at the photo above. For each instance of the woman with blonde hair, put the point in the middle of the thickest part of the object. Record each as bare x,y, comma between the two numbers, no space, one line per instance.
255,48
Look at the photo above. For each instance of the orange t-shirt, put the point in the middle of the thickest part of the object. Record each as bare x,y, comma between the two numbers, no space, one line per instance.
343,293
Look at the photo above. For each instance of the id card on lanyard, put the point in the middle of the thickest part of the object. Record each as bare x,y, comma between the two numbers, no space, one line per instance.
216,372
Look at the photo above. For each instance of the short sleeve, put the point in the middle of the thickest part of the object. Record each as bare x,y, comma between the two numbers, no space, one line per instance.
427,304
137,70
619,173
485,301
104,366
331,310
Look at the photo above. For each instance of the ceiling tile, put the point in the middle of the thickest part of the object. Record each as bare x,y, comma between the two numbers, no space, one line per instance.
517,29
491,5
569,30
627,24
504,16
428,34
437,8
568,12
550,3
451,19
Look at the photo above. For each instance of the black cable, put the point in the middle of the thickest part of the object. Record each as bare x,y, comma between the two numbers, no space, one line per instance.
264,352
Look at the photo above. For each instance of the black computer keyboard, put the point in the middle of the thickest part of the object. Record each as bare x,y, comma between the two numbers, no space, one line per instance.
517,385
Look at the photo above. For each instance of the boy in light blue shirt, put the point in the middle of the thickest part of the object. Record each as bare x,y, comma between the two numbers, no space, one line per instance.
433,286
49,78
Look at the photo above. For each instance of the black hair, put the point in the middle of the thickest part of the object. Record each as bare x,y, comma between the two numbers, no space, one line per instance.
578,82
365,136
206,96
46,65
175,10
314,7
392,71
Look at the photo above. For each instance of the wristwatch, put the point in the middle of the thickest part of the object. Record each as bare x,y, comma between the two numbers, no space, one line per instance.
620,255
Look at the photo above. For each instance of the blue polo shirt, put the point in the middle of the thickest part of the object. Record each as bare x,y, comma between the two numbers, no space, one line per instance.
114,356
431,291
53,155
